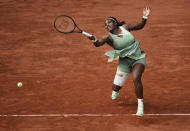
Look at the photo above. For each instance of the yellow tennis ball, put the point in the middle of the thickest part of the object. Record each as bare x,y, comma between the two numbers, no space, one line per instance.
19,84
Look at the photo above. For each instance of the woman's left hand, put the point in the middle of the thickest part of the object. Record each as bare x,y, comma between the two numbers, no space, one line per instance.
146,12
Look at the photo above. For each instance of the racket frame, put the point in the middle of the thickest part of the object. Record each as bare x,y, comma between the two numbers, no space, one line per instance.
75,26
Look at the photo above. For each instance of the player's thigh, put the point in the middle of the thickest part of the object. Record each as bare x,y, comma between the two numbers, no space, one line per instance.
137,71
124,65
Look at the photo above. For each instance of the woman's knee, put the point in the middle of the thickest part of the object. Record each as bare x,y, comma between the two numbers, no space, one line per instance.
120,78
137,79
138,70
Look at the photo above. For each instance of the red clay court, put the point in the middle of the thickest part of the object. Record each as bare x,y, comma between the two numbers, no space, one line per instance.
66,75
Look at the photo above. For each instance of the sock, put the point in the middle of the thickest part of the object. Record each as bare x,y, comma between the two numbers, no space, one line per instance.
140,101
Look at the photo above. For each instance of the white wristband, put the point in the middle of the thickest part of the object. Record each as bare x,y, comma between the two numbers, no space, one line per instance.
94,41
145,17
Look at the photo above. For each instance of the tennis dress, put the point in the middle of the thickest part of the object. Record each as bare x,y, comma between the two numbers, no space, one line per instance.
127,50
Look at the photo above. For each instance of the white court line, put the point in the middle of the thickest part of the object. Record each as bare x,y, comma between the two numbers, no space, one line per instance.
88,115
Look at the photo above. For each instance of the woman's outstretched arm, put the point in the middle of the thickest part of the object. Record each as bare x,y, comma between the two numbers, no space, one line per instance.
97,43
140,25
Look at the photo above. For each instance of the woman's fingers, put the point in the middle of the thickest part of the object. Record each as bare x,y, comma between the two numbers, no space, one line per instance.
146,11
92,37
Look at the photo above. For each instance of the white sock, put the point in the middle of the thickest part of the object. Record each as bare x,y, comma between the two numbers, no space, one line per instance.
140,101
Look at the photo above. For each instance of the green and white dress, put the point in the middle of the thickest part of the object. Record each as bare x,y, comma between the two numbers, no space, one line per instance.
126,49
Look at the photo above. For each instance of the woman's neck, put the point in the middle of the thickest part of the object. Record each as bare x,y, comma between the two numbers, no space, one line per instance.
116,30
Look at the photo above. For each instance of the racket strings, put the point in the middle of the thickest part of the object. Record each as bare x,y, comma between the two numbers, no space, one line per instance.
64,24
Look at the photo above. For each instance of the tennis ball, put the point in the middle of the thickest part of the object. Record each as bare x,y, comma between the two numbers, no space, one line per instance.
19,84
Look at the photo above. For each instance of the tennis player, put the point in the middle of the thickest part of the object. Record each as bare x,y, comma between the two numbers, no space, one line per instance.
132,60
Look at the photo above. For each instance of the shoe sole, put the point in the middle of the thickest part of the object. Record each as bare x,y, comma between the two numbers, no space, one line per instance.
139,114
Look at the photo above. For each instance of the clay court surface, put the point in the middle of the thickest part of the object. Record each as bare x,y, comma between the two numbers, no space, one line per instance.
66,74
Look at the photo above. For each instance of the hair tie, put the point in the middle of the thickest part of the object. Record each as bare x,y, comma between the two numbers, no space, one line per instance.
112,19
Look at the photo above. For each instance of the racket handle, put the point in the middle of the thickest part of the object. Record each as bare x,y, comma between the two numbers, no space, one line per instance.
86,34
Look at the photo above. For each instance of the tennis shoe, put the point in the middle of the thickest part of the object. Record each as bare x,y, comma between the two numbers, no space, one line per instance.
140,109
115,94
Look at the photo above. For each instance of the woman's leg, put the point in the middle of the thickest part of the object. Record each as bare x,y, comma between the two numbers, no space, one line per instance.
120,76
137,72
119,81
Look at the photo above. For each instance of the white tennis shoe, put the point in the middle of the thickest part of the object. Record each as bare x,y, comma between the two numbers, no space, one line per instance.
115,94
140,109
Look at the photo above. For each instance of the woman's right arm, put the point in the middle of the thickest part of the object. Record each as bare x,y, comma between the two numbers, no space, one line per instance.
97,43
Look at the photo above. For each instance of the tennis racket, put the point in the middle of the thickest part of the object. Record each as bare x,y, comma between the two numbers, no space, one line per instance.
66,24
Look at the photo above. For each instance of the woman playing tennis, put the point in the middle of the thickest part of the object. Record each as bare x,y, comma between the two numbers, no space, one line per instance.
131,58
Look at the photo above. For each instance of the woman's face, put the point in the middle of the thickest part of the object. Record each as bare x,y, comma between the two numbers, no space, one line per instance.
110,25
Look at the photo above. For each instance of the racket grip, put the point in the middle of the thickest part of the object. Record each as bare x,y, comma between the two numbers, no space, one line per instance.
86,34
